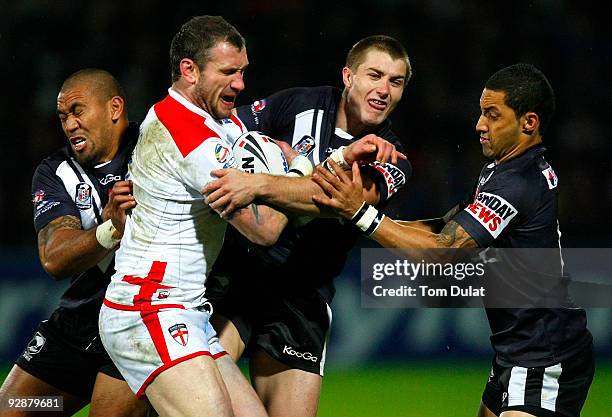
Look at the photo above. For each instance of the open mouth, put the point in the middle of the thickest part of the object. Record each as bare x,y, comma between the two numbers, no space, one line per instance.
228,100
78,143
484,140
379,105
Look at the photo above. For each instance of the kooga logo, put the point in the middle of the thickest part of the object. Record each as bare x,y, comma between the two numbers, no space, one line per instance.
288,350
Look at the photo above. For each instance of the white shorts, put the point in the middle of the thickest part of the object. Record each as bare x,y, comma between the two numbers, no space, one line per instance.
145,343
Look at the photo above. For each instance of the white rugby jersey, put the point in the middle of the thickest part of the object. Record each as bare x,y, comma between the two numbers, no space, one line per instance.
172,237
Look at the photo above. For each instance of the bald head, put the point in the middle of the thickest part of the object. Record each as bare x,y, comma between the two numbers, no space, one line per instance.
91,108
101,83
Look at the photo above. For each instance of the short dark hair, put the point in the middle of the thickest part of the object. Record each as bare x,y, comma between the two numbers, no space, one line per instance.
392,46
527,89
104,83
197,37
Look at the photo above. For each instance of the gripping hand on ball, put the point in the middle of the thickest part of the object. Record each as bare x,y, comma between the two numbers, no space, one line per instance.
231,190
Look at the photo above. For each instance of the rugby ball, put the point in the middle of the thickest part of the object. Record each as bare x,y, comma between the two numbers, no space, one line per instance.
256,153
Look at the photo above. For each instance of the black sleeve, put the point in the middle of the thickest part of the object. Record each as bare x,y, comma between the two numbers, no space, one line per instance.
265,115
497,207
389,178
50,198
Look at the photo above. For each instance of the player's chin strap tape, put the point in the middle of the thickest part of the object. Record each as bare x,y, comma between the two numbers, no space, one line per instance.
338,157
300,167
367,218
104,235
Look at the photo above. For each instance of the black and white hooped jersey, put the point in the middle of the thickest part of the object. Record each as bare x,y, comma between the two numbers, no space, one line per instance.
514,205
289,115
62,187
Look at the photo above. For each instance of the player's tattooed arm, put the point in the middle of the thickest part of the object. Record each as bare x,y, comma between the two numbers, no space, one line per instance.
454,236
418,242
435,225
65,249
64,222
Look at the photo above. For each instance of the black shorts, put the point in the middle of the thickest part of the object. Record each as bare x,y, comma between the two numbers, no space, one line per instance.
552,391
66,353
292,327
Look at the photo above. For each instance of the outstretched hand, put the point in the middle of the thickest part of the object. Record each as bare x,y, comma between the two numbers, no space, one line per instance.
120,200
372,148
342,194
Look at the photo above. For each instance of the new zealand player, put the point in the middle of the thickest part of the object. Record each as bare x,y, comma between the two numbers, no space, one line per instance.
274,303
543,364
76,192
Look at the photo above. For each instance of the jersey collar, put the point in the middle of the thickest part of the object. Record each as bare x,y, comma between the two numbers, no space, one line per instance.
189,105
530,153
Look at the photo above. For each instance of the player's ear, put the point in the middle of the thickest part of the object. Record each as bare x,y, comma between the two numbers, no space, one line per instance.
531,122
189,70
117,107
347,77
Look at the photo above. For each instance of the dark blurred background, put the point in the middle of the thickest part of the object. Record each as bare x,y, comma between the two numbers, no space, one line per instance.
454,47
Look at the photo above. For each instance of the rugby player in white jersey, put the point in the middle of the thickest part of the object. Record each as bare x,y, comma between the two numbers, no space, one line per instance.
154,322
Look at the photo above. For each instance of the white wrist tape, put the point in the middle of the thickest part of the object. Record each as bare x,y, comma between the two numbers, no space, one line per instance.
367,218
300,167
338,157
104,235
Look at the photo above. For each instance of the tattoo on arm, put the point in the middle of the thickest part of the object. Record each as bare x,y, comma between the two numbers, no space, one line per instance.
46,233
455,236
451,213
253,208
69,222
255,212
64,222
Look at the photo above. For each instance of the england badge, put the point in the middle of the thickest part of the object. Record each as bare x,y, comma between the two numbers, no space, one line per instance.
258,105
179,333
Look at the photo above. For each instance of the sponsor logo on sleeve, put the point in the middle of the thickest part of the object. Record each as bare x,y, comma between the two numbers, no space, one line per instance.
394,177
82,198
492,212
179,333
551,178
44,206
258,106
38,196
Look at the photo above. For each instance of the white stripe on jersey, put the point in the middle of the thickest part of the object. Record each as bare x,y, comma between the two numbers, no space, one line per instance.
70,180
